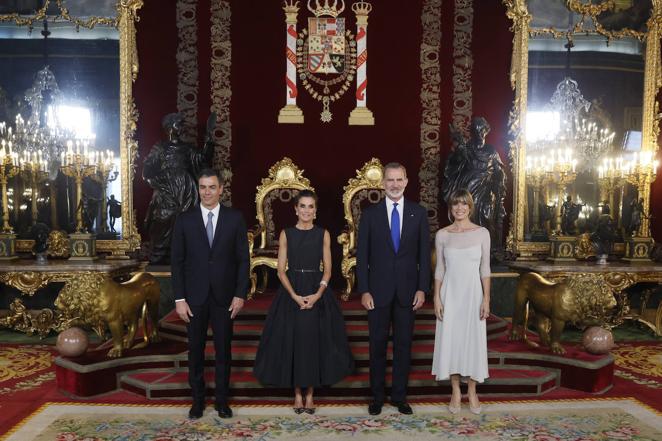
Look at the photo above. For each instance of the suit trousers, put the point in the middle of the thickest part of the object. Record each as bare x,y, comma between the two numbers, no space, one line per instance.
379,323
221,325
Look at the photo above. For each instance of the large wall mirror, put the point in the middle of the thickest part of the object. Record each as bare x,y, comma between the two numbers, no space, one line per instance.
66,74
586,74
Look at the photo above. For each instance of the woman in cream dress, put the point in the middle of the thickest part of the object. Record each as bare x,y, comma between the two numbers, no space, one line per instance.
462,301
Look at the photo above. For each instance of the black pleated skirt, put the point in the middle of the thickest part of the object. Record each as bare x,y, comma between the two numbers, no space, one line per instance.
303,348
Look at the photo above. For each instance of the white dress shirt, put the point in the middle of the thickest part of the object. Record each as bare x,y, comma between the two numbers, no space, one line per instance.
205,215
400,208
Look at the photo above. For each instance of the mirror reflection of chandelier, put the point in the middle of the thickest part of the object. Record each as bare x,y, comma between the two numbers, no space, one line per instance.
47,128
44,91
572,127
46,124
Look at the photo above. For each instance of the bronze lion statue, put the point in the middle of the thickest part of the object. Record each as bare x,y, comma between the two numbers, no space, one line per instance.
124,304
582,299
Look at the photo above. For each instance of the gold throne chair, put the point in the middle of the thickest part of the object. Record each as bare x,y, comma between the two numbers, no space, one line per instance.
284,182
365,188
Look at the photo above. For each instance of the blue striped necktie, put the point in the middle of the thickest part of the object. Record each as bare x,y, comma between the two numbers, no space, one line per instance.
395,227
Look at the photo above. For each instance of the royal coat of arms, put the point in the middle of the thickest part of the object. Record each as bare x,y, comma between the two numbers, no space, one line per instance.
326,45
323,59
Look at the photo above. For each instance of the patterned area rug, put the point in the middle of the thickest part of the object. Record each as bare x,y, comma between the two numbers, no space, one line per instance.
24,368
640,363
579,420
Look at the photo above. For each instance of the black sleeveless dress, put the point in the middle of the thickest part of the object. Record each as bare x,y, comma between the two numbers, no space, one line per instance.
303,348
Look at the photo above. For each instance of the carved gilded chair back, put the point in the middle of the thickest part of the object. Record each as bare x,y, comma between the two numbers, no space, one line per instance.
284,181
365,188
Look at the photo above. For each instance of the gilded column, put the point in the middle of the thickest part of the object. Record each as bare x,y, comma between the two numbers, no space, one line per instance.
650,123
291,113
361,115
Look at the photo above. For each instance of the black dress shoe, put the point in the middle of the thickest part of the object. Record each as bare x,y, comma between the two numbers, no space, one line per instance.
375,408
309,410
223,410
197,409
403,407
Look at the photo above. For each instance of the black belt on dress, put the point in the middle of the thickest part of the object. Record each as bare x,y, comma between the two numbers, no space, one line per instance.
304,270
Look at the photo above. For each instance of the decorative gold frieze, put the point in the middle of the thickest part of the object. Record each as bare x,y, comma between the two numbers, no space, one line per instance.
593,283
77,303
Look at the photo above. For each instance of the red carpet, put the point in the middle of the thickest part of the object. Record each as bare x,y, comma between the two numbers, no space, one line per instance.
27,375
16,406
27,372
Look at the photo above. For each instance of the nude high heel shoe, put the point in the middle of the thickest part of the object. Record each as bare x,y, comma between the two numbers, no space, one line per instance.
475,410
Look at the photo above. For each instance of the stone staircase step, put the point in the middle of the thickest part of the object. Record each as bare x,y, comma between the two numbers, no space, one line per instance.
248,326
173,383
159,371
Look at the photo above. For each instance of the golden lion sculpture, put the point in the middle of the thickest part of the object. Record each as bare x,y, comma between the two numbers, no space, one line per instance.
123,304
582,299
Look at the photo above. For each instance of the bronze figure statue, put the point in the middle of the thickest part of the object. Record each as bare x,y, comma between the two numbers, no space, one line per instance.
477,167
547,217
171,169
39,233
636,215
90,208
569,215
604,237
114,212
606,209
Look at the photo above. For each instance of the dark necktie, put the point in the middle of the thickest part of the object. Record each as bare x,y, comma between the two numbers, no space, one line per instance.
210,228
395,227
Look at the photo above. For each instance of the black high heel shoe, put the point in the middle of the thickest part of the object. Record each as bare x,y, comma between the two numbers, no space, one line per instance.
299,410
309,410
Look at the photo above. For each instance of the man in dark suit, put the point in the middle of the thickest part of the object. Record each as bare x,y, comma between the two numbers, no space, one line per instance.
210,280
393,270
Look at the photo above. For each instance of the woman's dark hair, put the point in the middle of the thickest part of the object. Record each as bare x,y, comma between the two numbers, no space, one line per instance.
305,194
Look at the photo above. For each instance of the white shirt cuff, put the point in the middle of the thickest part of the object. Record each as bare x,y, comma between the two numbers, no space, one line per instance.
180,300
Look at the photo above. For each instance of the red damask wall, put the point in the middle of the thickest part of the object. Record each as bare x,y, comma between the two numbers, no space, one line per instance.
329,153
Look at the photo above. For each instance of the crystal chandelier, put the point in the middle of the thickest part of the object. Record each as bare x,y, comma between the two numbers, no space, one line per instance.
576,131
42,133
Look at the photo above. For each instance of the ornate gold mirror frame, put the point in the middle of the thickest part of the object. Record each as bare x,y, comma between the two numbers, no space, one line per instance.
127,15
521,18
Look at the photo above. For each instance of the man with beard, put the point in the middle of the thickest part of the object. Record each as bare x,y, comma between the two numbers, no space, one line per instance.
393,269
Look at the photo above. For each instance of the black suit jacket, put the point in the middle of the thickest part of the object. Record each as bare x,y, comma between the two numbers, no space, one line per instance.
380,270
197,267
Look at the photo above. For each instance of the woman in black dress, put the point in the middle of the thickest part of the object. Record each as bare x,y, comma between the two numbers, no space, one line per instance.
304,344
